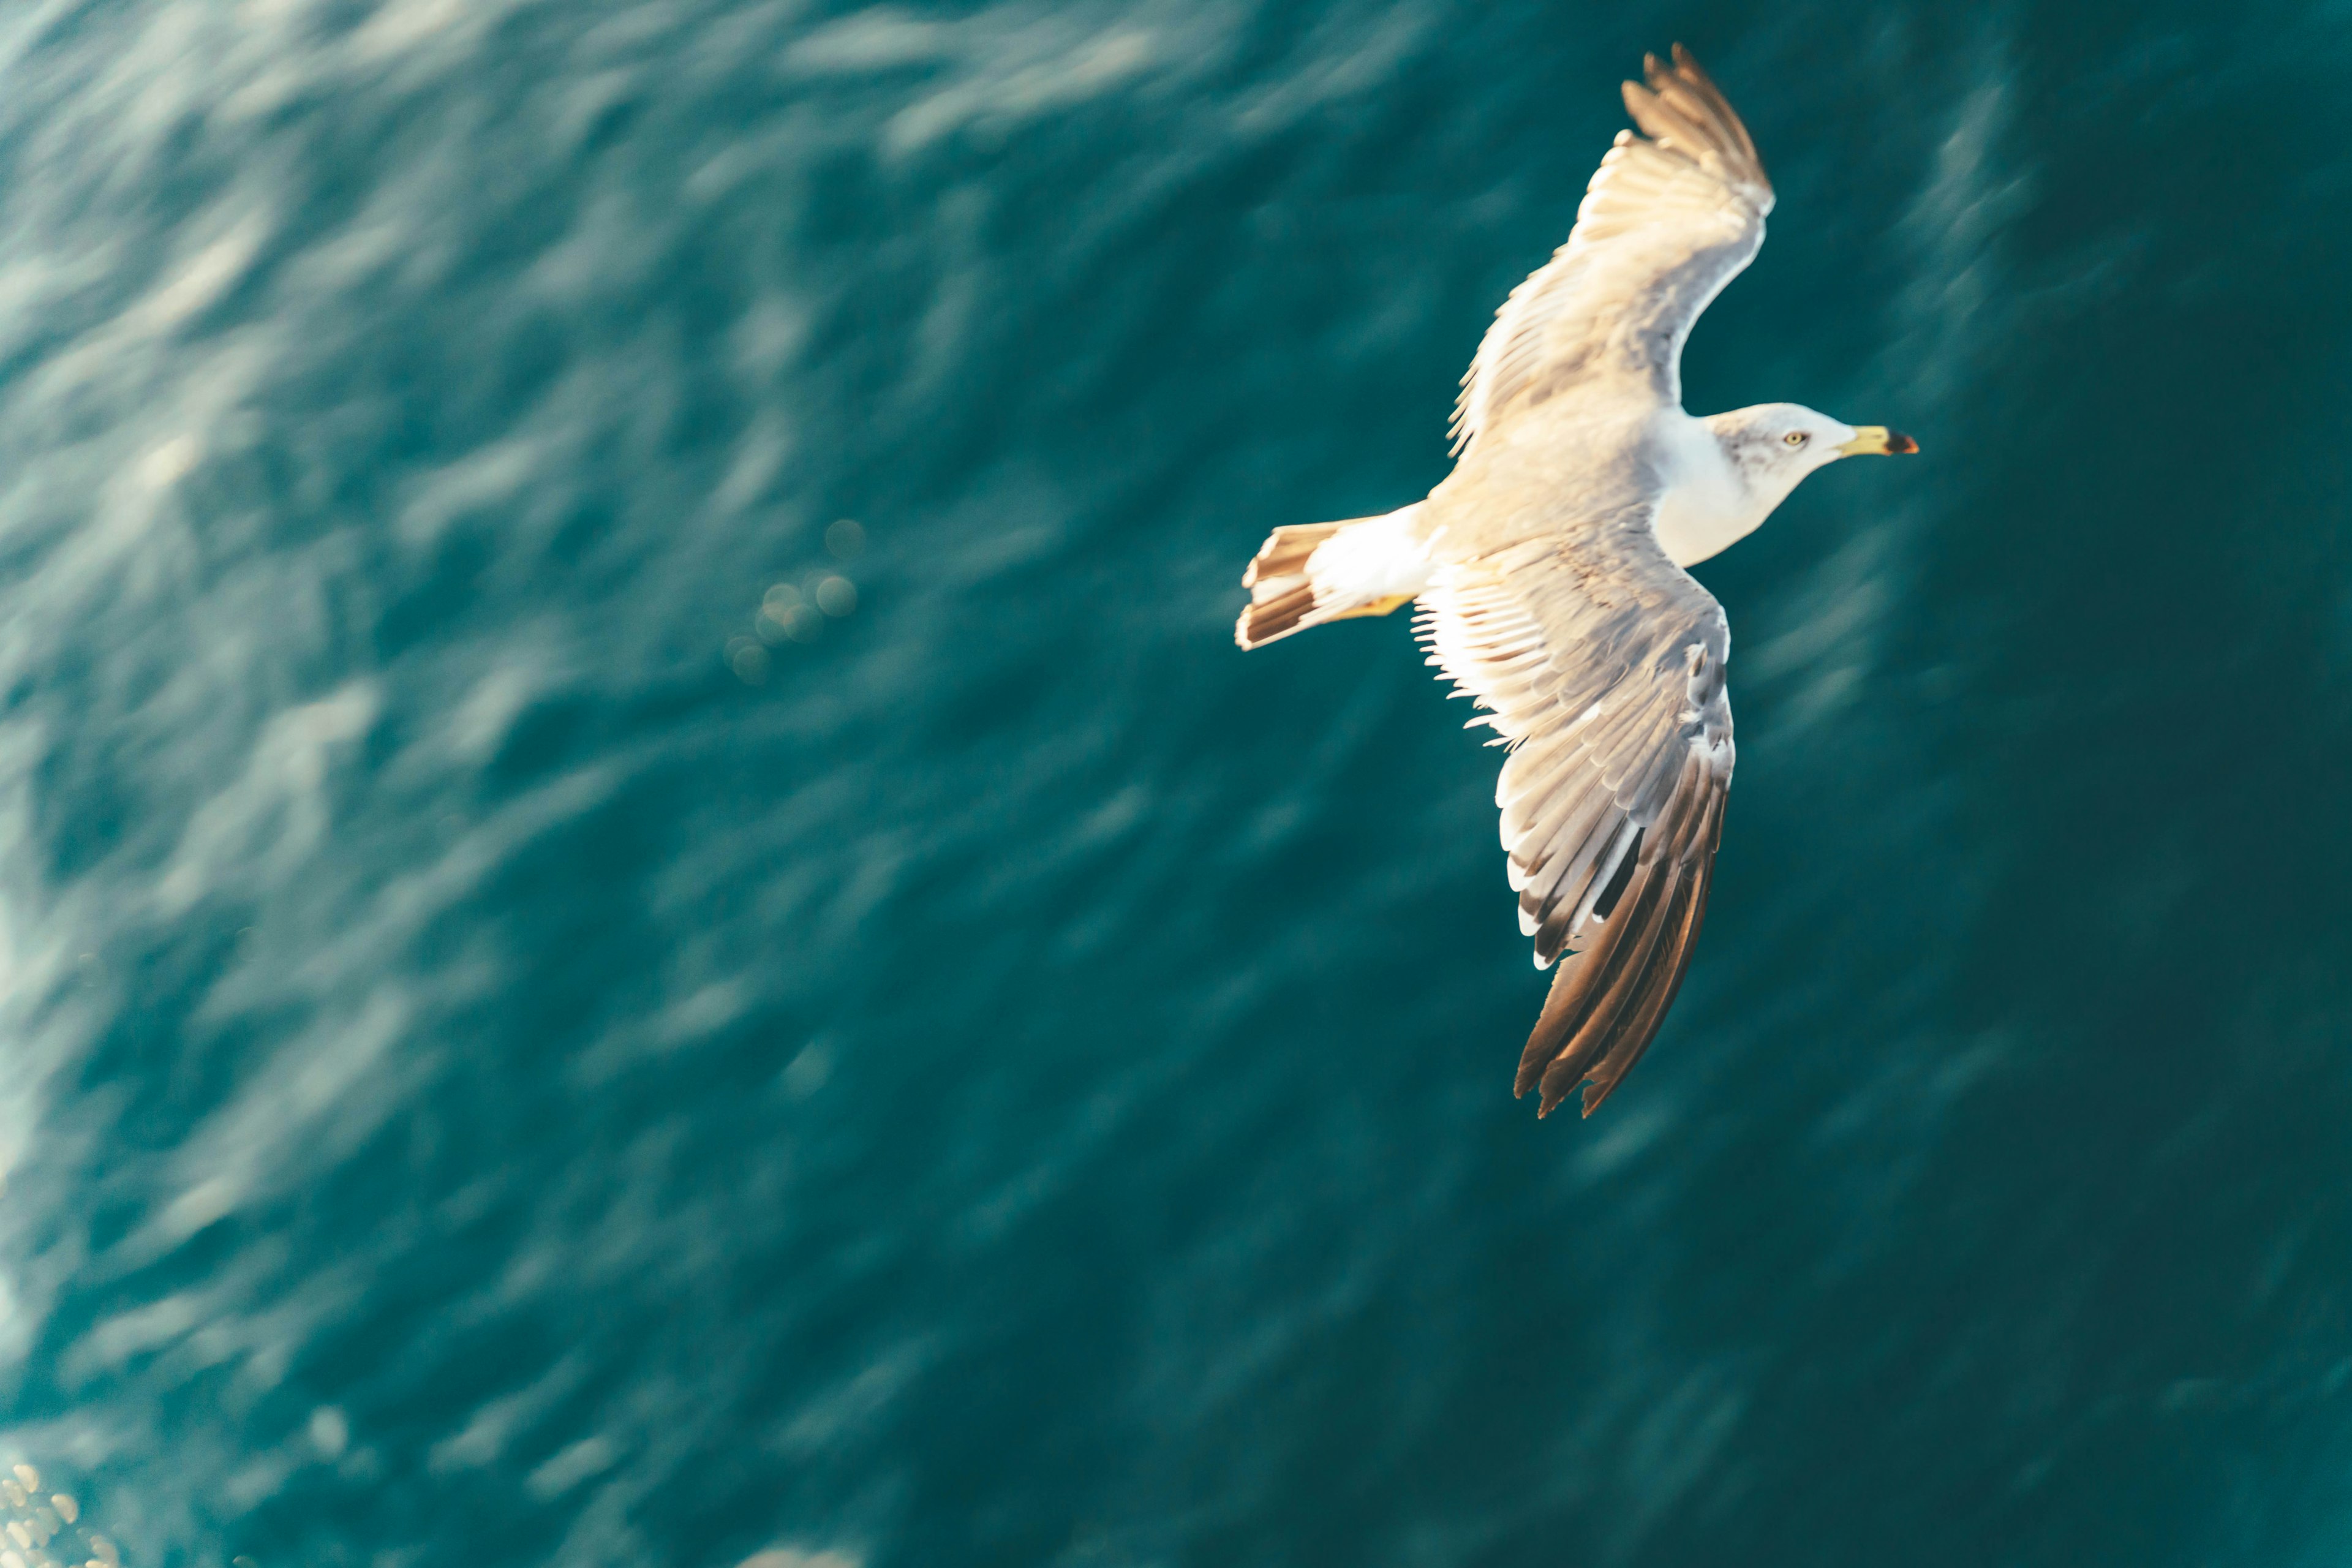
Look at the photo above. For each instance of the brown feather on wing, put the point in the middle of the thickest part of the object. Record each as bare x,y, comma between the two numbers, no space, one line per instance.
1683,111
1607,1003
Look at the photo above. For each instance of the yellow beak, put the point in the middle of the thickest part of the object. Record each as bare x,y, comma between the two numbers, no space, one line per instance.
1878,441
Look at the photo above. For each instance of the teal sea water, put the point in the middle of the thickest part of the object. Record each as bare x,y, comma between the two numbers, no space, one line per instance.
507,1058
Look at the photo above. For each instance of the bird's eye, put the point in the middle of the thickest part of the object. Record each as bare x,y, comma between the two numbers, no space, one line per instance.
1794,438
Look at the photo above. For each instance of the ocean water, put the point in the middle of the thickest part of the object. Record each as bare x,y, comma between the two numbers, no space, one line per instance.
508,1057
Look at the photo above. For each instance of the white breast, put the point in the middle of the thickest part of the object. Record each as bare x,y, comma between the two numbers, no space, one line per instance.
1705,508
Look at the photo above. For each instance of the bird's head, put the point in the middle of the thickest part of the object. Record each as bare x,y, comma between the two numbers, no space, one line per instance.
1774,445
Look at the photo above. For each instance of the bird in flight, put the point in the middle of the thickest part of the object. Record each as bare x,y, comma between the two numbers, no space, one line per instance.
1548,567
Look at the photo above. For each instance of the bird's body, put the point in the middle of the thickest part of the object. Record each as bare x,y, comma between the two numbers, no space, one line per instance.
1548,570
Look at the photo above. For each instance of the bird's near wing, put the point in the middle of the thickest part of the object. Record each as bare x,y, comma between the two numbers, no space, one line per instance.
1603,664
1664,225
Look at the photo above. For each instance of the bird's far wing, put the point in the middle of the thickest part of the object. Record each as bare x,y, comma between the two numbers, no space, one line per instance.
1602,665
1664,225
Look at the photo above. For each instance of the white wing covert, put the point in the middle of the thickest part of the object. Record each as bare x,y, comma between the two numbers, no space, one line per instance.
1664,225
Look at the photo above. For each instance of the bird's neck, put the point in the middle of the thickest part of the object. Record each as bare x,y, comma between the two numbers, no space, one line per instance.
1707,503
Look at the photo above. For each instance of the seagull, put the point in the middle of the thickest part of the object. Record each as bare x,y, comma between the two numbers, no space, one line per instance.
1549,568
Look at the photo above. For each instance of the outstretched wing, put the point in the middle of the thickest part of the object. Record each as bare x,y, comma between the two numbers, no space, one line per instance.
1664,225
1603,664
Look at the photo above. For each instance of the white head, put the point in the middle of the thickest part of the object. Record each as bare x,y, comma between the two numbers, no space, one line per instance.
1774,445
1745,464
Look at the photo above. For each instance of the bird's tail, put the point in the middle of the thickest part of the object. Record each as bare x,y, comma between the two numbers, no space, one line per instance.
1296,582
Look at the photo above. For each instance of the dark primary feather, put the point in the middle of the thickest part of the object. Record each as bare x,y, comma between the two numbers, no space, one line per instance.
1607,1001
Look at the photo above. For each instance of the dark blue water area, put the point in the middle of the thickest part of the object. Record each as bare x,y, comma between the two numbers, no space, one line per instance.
558,1006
